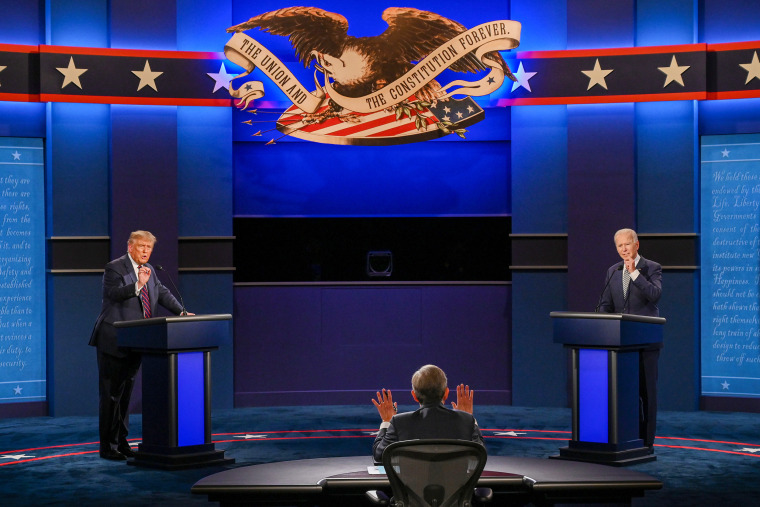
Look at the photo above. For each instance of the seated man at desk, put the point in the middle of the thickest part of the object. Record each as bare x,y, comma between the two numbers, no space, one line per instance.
432,419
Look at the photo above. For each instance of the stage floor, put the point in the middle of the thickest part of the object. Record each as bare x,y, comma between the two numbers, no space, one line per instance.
703,458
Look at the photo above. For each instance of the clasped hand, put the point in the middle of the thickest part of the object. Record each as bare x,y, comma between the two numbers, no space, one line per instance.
143,275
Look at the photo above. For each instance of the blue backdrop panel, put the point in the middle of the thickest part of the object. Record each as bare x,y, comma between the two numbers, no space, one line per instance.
666,22
543,28
22,119
74,301
22,22
211,293
539,376
730,260
79,145
201,24
601,194
600,24
22,271
132,28
678,383
204,179
144,178
739,116
729,20
309,179
539,169
80,23
666,166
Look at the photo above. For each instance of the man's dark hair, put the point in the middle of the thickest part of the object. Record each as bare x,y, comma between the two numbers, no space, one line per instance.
429,384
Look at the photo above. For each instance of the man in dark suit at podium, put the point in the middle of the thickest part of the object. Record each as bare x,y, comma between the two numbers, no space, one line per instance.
432,419
634,286
130,292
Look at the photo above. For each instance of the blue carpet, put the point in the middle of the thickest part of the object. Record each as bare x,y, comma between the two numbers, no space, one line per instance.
703,458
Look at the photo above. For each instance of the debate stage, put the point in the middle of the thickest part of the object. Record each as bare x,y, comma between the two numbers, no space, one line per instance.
342,481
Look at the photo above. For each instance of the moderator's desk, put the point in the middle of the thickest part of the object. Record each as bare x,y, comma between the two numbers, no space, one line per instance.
343,481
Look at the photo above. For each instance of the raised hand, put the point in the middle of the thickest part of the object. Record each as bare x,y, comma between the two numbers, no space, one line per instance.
385,406
464,399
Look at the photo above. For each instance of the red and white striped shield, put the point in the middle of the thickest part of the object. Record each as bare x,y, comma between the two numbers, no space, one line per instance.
402,124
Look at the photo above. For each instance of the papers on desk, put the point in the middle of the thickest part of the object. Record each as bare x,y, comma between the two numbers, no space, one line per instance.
376,470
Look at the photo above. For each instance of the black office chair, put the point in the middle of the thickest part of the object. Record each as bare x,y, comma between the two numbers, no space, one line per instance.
433,473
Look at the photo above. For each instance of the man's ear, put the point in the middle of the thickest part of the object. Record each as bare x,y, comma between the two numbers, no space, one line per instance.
415,397
445,395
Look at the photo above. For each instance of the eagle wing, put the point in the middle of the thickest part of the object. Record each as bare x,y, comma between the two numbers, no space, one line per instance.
308,29
415,33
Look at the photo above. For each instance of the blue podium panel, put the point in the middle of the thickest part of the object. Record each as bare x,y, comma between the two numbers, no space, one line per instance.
191,399
593,397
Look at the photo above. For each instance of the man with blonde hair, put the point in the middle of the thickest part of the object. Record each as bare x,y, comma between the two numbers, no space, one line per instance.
130,292
432,419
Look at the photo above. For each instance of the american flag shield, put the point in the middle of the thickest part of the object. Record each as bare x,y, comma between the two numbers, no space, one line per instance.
385,127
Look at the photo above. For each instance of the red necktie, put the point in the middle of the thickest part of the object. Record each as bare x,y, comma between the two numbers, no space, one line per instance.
145,299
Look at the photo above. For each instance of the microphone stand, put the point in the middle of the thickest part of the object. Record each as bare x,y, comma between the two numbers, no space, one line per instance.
161,268
609,279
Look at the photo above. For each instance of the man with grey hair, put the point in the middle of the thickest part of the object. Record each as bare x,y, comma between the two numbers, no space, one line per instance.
634,286
432,419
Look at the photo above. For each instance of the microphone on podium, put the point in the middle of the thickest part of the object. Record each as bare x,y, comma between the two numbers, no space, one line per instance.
609,279
161,268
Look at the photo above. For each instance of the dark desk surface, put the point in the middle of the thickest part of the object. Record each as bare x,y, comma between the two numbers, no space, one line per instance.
544,478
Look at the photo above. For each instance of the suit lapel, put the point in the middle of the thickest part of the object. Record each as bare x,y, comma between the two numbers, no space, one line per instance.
129,270
616,287
643,266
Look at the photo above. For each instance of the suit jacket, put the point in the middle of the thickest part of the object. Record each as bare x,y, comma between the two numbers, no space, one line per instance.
121,303
643,293
429,421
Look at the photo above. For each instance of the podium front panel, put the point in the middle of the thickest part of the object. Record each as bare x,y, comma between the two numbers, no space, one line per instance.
191,398
593,397
607,403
